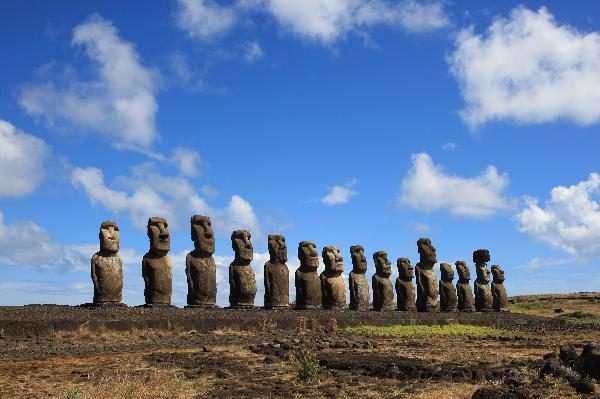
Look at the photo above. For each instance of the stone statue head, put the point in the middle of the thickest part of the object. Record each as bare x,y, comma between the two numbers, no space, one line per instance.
158,232
359,260
202,234
481,256
383,267
308,255
242,246
333,260
483,274
277,249
426,251
447,272
497,274
464,275
406,271
110,237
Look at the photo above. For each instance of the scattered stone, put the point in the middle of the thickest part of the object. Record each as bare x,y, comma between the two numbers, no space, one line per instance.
357,282
588,363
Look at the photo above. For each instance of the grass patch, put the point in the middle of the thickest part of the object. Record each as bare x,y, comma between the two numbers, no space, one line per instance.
581,317
452,330
531,306
306,364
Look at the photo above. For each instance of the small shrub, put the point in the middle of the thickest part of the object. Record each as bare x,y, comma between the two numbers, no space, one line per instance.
74,393
307,365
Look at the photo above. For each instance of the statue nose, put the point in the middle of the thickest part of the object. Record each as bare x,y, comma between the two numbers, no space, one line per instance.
163,236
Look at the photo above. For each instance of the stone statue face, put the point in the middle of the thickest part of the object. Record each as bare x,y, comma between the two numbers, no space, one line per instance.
406,271
308,255
481,256
426,251
497,274
463,270
277,249
334,262
240,242
383,266
202,234
447,272
158,232
359,261
483,275
110,237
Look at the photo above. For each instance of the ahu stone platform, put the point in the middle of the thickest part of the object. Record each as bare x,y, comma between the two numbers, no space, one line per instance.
45,320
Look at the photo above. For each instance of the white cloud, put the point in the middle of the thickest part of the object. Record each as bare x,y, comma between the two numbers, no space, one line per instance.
569,220
22,159
184,74
428,188
449,146
539,262
119,102
188,161
338,195
529,69
204,19
253,52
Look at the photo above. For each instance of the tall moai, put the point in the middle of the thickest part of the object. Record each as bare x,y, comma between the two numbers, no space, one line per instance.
383,292
357,281
277,275
242,281
200,267
333,290
306,278
157,268
405,290
483,293
448,299
463,287
107,267
499,296
427,285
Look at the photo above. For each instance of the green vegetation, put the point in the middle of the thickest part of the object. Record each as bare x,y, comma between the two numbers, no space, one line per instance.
307,365
422,330
532,306
581,317
74,393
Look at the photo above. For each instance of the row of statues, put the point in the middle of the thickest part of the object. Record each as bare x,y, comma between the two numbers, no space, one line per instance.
313,291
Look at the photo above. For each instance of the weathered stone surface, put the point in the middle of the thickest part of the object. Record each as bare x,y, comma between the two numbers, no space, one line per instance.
107,267
242,281
499,296
276,274
466,302
383,292
405,290
307,281
588,363
333,290
156,264
357,282
427,285
200,267
483,293
448,299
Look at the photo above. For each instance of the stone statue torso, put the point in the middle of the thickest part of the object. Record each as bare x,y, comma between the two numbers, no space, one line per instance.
465,297
405,295
427,289
383,293
500,298
242,285
308,289
333,292
483,297
157,272
202,280
359,291
448,299
108,284
277,290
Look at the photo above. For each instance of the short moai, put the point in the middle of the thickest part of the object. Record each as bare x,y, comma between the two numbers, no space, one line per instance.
107,267
499,296
383,291
306,278
277,275
333,290
405,290
427,285
463,287
357,282
242,281
483,293
448,299
200,267
157,268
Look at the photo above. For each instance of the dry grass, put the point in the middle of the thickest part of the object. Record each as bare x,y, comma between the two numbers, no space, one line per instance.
547,307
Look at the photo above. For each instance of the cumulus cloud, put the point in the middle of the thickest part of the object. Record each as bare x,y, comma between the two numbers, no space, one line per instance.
118,102
253,52
338,195
428,188
528,68
449,146
539,262
22,159
568,221
204,19
188,161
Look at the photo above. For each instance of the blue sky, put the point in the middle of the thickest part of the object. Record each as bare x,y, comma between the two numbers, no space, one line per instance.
339,121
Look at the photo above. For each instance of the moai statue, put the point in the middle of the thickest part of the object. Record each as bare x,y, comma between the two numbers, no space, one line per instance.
277,275
463,287
156,264
242,281
499,297
333,291
308,283
448,297
383,292
200,265
427,285
483,293
107,267
357,282
405,290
